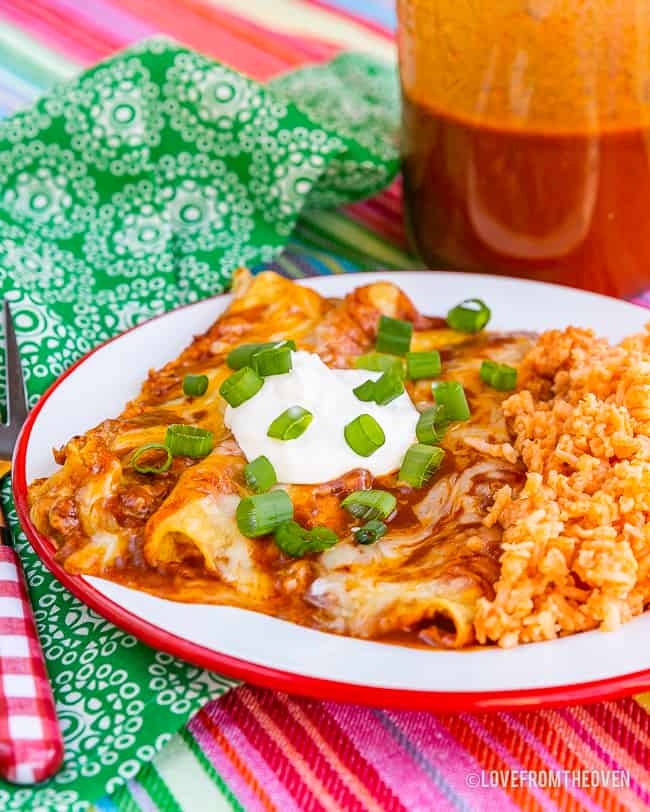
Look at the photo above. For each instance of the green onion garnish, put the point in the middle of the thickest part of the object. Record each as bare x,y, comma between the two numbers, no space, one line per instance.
260,474
451,395
188,441
364,435
365,391
272,361
151,469
469,316
195,385
241,386
388,387
295,541
242,356
423,365
262,514
368,505
370,532
385,389
499,376
290,424
394,335
420,463
432,425
379,362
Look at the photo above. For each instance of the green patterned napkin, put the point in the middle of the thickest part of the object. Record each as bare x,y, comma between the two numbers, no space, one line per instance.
135,189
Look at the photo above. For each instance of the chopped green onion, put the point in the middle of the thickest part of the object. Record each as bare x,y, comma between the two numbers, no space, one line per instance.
388,387
451,395
260,474
188,441
296,541
364,435
151,469
262,514
394,335
195,385
432,425
499,376
241,386
290,424
242,356
370,532
272,361
379,362
420,463
385,389
365,391
469,316
368,505
423,365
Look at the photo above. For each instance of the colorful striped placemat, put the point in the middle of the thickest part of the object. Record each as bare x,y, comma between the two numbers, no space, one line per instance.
261,750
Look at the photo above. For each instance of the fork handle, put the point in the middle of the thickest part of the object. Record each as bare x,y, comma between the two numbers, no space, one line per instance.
31,746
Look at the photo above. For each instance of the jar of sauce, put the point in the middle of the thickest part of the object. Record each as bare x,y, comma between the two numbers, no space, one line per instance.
526,138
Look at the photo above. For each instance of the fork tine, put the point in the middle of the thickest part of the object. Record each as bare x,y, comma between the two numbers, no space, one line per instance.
16,400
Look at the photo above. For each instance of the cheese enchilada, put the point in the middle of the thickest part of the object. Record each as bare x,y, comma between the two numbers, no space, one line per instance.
130,505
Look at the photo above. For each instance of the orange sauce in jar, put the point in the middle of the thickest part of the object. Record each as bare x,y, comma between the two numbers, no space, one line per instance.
526,138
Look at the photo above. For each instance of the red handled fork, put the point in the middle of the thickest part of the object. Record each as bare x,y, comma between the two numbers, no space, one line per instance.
31,747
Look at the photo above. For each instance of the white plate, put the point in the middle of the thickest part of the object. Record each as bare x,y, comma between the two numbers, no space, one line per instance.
275,652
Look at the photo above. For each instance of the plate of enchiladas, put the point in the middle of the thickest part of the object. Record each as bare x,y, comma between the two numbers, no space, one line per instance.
416,489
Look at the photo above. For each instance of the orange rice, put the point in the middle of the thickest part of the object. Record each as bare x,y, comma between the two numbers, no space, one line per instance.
576,540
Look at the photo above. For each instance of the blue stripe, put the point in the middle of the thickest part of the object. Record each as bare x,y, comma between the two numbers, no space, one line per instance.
104,805
381,12
433,773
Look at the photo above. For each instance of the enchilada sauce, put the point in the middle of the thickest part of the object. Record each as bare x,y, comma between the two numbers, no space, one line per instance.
526,138
565,207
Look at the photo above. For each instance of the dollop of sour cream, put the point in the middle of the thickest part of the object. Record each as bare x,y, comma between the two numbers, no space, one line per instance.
321,453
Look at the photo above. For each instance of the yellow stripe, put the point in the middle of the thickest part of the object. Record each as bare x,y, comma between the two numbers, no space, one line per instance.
644,700
186,779
301,19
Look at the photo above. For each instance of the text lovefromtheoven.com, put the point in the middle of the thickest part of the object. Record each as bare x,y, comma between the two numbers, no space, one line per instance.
615,779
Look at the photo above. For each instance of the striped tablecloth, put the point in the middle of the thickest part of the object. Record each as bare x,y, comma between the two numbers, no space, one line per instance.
260,750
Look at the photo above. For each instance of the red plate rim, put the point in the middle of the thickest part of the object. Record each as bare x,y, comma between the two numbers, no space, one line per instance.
314,687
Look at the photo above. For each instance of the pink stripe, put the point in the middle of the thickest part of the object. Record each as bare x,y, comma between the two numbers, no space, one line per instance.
643,300
390,200
431,739
568,714
377,222
39,29
369,784
512,720
512,762
258,762
396,768
64,22
106,16
230,730
315,50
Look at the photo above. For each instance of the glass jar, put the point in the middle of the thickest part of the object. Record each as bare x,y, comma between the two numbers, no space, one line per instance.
526,138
